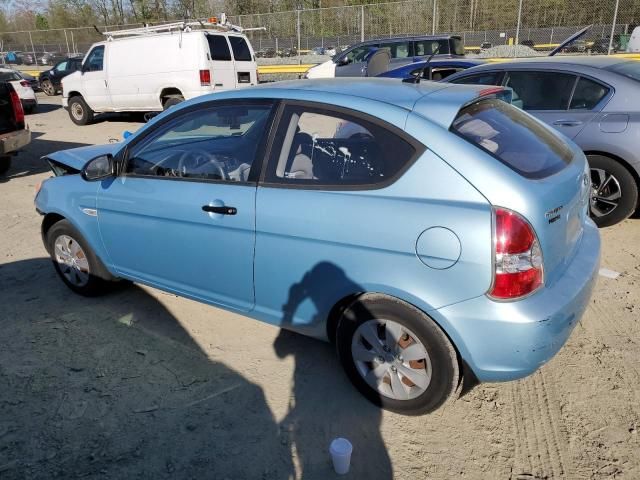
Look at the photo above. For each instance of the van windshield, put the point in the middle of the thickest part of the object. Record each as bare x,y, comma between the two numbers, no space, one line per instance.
513,137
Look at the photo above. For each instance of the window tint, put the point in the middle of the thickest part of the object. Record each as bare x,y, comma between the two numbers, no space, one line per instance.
427,47
327,148
542,90
512,137
628,69
398,49
587,94
240,48
214,144
218,47
358,54
95,59
488,78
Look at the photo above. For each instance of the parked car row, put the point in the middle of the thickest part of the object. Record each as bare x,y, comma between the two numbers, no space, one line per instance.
13,133
28,58
22,88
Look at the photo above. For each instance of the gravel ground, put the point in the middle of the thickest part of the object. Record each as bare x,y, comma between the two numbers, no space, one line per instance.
143,384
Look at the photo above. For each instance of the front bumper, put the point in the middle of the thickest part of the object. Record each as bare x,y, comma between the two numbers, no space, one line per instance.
13,141
503,341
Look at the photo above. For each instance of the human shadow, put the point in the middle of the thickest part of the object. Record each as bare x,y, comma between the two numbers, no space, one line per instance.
323,404
116,387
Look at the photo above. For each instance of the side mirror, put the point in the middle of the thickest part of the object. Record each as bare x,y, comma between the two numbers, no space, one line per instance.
99,168
343,61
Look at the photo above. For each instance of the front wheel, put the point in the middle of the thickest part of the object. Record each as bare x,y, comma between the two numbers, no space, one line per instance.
79,111
75,262
397,356
614,192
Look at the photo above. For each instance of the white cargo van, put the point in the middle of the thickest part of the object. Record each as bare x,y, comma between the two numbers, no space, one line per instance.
152,68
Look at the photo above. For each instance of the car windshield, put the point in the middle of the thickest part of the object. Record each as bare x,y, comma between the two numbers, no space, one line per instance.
628,69
513,137
9,76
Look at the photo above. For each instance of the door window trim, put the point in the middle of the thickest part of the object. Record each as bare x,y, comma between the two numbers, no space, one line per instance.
272,155
122,157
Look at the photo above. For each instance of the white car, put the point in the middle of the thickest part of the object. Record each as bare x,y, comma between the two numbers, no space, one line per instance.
22,88
151,69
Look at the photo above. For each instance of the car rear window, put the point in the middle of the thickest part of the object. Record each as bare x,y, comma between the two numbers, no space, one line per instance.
513,137
9,76
219,47
240,48
628,69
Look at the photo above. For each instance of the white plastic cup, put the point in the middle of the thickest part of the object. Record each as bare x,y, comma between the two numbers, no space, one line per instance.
340,450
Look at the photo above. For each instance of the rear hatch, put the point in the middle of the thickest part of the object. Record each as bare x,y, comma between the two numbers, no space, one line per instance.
550,183
245,64
7,118
231,62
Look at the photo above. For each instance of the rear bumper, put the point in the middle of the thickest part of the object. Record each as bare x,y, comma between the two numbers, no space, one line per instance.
502,341
13,141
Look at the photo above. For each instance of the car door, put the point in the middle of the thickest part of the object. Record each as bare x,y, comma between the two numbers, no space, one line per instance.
181,215
94,80
352,63
221,63
547,96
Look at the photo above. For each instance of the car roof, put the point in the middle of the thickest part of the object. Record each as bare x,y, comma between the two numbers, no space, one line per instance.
593,61
404,39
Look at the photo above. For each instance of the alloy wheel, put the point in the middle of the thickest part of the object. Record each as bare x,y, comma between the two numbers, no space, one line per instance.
71,260
48,88
391,359
605,192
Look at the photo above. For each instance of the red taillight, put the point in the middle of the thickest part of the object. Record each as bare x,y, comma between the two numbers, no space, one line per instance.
18,112
24,83
205,78
518,259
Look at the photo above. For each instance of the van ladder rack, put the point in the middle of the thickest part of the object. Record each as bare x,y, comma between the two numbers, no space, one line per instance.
184,26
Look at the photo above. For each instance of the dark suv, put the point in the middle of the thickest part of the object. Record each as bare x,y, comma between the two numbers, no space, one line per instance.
50,80
403,50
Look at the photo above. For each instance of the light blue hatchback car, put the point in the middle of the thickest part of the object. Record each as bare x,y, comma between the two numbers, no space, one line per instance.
429,230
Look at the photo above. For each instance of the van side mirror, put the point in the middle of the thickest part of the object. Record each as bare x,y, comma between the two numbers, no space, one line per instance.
99,168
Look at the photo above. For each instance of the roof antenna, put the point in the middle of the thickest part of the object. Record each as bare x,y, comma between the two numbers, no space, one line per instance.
425,71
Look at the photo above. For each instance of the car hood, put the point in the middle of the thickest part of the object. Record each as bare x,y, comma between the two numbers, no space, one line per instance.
77,158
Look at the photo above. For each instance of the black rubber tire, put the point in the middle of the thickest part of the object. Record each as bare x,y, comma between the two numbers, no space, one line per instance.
5,164
446,373
628,186
48,88
100,280
172,101
87,114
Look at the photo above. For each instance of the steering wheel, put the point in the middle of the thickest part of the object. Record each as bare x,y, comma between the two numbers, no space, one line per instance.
193,157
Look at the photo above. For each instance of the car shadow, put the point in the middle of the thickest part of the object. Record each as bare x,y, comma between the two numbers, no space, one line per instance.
116,387
323,403
29,160
46,108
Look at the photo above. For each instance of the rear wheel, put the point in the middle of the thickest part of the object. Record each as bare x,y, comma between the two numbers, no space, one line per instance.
172,101
614,192
79,111
396,356
5,164
75,262
48,88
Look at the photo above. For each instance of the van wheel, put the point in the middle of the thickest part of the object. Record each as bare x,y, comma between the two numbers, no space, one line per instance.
48,88
396,356
79,111
5,164
171,101
614,192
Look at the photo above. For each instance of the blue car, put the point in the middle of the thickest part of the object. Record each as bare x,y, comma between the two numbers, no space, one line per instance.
440,68
429,230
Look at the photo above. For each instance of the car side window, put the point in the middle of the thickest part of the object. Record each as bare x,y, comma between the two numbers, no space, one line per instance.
358,54
319,147
95,59
542,90
587,94
427,47
62,67
398,49
485,78
219,48
217,143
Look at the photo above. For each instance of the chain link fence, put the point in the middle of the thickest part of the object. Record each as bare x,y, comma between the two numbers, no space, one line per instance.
537,24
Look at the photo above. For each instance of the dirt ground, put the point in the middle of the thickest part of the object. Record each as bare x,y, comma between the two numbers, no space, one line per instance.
143,384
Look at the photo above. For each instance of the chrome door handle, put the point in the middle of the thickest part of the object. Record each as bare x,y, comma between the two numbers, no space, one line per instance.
567,123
